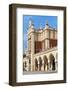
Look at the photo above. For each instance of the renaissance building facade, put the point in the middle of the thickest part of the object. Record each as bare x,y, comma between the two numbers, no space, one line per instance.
41,54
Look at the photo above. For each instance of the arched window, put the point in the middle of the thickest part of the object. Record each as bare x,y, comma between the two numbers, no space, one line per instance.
52,61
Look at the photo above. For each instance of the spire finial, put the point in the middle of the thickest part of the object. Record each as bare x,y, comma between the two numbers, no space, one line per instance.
40,25
31,22
47,25
46,22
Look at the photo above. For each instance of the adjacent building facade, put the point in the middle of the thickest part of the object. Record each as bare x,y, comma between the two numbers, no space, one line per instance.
41,54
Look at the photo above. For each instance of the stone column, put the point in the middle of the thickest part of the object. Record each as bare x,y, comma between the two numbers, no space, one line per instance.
43,65
47,39
32,51
47,44
34,66
48,64
38,65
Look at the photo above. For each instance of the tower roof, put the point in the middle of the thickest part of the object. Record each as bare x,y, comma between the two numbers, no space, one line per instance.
47,26
31,22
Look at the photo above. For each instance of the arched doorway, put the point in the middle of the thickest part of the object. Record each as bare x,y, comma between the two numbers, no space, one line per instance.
45,63
40,63
36,64
52,62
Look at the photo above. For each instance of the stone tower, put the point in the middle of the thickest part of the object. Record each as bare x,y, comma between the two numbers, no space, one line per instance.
31,42
46,35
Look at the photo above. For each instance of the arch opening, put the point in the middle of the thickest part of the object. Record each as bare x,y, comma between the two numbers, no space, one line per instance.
45,62
40,63
36,64
52,62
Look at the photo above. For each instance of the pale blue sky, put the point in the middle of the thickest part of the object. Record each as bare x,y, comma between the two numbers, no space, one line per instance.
37,20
